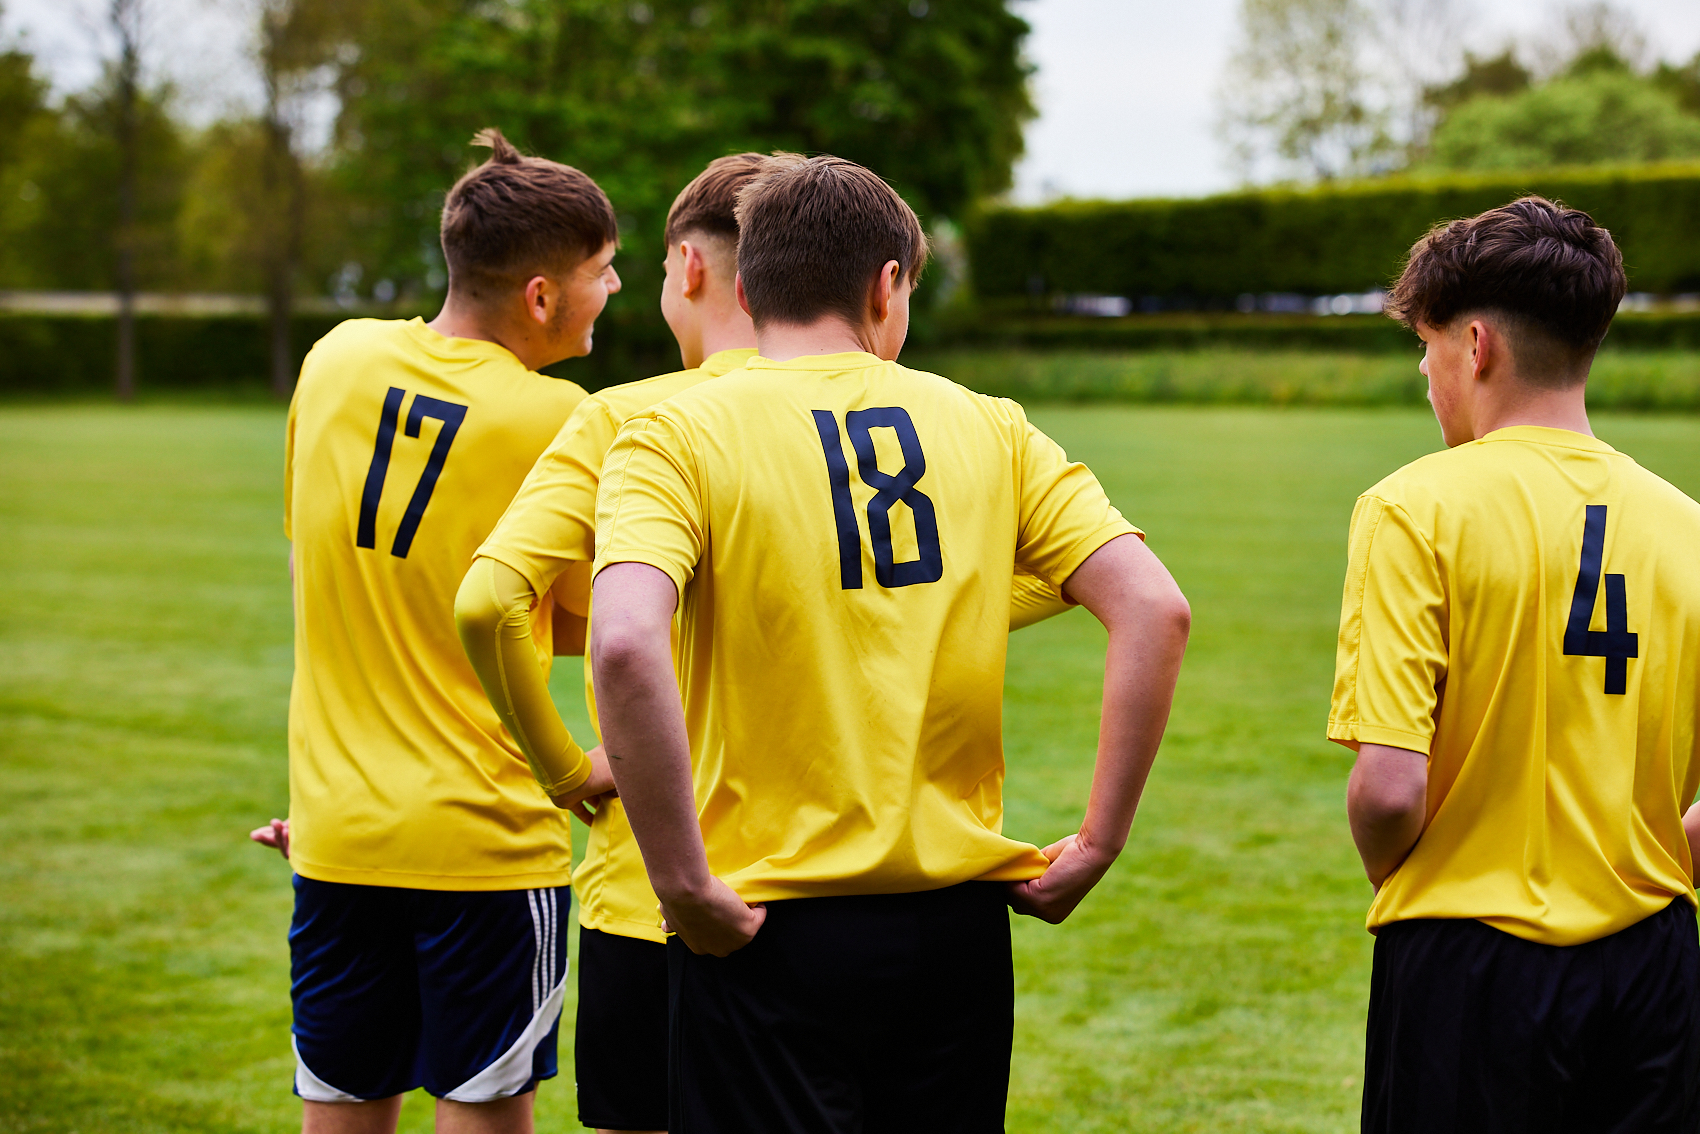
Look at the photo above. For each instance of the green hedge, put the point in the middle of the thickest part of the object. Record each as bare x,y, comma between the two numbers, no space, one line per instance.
73,355
1346,238
1009,325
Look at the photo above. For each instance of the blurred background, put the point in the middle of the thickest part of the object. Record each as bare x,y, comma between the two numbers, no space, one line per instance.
191,191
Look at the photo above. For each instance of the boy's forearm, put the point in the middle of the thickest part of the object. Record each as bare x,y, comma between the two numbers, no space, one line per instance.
1141,665
643,727
1386,805
492,614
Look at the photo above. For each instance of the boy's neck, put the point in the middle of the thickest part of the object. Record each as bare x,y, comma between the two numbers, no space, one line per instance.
781,342
725,329
461,320
1532,405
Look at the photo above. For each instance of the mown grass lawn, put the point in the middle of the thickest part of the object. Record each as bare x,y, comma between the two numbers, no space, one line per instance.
1216,981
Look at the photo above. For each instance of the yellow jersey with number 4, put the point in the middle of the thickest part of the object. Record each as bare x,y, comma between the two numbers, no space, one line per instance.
844,533
404,448
1525,609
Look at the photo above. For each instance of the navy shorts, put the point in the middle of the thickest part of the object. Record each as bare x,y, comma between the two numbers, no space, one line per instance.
1473,1029
621,1050
887,1012
458,992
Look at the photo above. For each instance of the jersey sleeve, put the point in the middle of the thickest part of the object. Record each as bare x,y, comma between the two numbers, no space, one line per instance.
1064,514
1032,600
289,470
650,507
1391,657
551,521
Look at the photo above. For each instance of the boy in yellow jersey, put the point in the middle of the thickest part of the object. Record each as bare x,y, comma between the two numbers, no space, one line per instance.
839,537
427,946
1519,673
547,534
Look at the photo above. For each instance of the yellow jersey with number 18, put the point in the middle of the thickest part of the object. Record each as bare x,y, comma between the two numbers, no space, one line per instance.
1525,609
404,448
844,534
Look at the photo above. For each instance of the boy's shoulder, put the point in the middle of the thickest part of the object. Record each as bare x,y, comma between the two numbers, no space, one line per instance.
620,402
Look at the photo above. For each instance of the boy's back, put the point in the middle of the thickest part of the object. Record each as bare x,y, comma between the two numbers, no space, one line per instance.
845,602
404,448
1566,583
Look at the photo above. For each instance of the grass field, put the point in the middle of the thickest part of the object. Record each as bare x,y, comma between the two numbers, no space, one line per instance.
1216,981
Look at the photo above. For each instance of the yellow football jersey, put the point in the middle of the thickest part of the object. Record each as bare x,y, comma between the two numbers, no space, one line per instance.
844,533
404,447
550,525
1525,609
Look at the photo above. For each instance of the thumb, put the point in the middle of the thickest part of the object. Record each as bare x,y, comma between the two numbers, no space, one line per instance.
1056,849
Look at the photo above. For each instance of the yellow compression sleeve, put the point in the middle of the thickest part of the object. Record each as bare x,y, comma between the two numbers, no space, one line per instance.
493,615
1032,600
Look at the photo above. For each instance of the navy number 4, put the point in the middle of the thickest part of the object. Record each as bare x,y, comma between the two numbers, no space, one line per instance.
1615,643
451,414
888,488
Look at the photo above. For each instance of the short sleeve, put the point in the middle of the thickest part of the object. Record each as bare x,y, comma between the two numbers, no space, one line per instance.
650,507
289,470
1064,514
552,519
1392,647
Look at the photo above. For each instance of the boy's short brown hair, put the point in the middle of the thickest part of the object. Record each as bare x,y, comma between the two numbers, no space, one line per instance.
515,217
1552,274
708,205
814,233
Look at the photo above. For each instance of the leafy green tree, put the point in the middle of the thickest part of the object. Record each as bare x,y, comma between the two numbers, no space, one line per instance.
1599,114
642,95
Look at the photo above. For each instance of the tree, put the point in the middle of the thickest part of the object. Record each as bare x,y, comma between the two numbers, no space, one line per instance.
1295,90
1600,115
125,18
642,95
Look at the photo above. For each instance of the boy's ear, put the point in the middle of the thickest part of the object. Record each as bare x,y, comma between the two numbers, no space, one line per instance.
885,286
539,296
743,303
696,268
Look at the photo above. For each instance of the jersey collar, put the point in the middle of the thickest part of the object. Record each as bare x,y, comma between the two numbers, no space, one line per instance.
847,360
1544,435
726,361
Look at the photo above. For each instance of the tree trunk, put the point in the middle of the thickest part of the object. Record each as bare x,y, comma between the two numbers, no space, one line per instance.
125,21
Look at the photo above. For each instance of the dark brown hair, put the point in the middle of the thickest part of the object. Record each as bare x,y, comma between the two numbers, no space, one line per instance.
814,233
515,217
1552,274
708,205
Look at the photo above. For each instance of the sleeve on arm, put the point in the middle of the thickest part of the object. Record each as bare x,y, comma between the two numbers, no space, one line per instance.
289,471
493,615
650,507
1065,515
1032,600
1391,657
551,522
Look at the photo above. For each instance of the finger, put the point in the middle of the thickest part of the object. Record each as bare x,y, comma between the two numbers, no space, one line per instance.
583,812
263,836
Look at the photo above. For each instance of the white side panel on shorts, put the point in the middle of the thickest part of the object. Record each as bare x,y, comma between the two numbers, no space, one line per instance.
509,1073
309,1086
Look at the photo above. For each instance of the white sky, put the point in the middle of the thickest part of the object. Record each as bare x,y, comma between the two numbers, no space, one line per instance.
1125,88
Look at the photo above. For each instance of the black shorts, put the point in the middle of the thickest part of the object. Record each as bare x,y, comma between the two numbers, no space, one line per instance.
880,1013
1473,1029
620,1049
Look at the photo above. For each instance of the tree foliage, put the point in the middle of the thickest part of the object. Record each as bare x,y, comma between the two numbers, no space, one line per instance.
642,95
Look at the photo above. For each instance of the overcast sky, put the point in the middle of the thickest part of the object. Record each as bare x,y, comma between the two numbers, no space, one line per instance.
1124,87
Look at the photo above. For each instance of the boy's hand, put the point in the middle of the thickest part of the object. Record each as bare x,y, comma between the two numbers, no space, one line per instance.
1075,868
275,835
716,922
584,800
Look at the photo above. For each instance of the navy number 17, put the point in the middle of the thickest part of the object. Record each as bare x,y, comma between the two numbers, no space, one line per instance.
888,488
451,414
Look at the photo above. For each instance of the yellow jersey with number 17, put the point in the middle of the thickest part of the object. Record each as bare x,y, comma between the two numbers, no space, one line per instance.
844,534
403,449
1525,609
